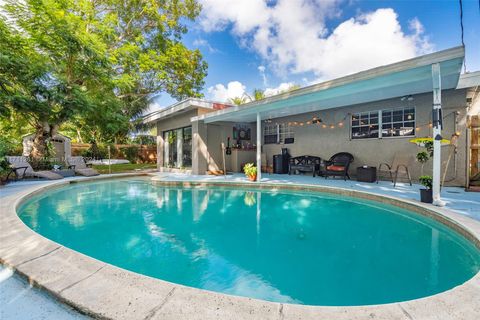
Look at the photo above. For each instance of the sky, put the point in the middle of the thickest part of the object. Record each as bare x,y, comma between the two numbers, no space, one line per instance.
270,45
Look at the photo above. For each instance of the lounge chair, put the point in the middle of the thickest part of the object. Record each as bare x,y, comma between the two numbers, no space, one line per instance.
21,168
338,166
304,164
400,164
80,167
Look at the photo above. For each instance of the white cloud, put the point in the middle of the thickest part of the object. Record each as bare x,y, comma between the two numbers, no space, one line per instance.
204,43
261,70
221,93
284,86
291,35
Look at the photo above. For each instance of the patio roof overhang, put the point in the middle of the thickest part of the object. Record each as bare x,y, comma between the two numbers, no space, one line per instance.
181,107
407,77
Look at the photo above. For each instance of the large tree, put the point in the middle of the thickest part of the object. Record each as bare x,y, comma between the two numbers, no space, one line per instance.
94,61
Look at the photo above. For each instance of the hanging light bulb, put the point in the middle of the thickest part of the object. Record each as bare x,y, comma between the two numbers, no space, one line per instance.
332,126
324,126
340,124
309,122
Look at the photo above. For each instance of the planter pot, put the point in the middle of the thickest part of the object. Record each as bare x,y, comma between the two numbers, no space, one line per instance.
426,195
252,177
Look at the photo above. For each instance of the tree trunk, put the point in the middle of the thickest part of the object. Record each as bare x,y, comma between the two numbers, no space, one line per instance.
44,133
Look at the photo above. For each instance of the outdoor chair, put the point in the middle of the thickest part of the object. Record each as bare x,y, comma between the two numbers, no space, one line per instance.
80,167
21,169
338,166
304,164
400,164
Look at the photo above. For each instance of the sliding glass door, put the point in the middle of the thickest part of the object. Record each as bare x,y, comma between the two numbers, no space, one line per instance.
177,152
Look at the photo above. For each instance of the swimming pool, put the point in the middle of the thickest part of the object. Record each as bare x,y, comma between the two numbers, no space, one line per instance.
284,246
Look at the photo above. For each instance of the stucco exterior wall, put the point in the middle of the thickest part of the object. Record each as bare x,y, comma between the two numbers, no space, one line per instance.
178,121
218,133
317,141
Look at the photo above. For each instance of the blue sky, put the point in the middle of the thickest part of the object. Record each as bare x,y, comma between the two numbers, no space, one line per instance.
271,45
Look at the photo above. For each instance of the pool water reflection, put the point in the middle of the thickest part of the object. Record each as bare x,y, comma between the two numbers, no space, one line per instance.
307,248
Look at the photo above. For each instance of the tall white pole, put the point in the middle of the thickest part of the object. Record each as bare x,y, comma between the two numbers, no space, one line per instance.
259,147
437,134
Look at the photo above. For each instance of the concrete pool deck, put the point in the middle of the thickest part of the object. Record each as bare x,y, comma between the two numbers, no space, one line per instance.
103,290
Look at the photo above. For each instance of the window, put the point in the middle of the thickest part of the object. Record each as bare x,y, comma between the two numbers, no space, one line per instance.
398,122
277,132
365,125
177,150
393,123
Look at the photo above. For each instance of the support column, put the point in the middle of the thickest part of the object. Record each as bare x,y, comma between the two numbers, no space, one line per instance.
259,147
160,149
437,134
199,148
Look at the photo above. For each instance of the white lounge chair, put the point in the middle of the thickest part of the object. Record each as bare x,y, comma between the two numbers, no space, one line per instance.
22,168
80,167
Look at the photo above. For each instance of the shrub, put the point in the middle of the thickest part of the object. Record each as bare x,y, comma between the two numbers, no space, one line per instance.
7,148
426,181
131,153
96,152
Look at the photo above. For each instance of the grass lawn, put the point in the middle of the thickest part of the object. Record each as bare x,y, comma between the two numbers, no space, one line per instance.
127,167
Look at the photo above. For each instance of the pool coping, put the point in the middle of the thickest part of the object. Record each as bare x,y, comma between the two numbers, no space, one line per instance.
104,291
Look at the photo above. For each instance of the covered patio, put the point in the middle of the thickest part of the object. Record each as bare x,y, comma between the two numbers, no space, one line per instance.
426,76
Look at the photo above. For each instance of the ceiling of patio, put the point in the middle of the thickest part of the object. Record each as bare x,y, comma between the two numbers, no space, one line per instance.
412,76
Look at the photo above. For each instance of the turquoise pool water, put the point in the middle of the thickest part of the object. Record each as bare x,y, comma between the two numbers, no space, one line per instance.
306,248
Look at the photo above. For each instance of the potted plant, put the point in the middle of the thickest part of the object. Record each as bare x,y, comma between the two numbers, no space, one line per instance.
426,194
250,171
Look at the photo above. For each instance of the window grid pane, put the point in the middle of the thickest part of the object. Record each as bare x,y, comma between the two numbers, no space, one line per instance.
398,122
395,123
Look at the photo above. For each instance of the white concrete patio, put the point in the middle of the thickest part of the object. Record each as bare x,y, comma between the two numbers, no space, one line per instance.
18,299
457,199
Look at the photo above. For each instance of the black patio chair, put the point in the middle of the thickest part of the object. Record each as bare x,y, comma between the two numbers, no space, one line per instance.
338,166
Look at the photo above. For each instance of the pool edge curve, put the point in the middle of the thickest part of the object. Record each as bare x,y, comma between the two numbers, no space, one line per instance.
102,290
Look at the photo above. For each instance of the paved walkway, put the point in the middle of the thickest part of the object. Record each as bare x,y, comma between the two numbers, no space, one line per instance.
18,300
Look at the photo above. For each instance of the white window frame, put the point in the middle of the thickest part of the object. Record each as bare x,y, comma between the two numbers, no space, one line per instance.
282,131
380,122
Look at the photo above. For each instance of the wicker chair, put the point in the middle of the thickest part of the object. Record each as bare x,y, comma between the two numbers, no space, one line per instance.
338,166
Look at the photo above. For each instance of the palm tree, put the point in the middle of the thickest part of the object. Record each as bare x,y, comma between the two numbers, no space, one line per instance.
258,94
238,100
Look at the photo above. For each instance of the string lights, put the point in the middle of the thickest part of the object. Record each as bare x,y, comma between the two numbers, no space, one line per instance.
317,121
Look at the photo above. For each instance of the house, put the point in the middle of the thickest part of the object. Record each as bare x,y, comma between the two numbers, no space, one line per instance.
372,114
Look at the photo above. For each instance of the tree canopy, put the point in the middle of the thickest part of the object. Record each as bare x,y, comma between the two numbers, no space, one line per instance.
93,65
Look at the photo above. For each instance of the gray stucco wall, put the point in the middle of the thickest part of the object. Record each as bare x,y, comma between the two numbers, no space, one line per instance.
317,141
218,133
178,121
314,140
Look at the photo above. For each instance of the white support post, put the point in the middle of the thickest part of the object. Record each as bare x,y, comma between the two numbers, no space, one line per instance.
437,132
259,147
